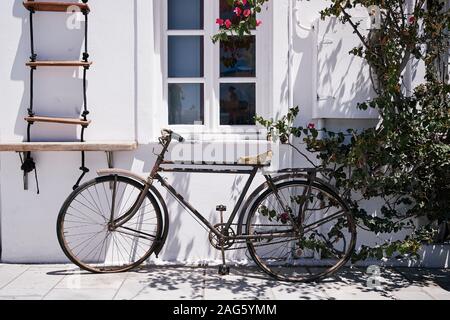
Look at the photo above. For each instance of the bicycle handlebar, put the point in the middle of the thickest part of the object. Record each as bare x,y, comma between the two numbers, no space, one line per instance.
173,135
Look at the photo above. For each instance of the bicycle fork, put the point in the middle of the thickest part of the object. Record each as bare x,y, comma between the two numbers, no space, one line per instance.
114,224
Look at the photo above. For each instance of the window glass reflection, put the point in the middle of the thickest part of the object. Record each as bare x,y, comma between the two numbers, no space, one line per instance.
238,57
185,56
185,103
237,103
185,14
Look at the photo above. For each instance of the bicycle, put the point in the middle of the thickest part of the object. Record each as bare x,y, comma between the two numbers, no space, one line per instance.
295,225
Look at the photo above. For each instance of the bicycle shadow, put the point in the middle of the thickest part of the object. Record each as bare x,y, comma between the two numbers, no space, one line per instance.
181,282
250,283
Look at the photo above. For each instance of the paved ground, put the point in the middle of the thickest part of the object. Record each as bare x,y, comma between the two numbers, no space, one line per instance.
67,282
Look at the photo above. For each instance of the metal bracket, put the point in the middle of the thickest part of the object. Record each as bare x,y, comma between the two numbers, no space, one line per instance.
110,159
22,156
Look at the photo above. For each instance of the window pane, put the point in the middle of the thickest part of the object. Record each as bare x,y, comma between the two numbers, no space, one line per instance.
186,103
237,103
238,57
185,56
185,14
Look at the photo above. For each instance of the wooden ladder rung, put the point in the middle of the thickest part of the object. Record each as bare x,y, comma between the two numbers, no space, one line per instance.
108,146
55,63
74,121
53,6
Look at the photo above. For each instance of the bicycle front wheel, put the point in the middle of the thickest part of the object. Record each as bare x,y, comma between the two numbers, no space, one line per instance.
300,233
91,241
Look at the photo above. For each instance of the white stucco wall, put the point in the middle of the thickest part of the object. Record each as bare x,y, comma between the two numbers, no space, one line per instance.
125,97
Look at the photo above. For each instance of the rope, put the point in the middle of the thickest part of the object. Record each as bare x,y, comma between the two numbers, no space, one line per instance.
28,163
85,113
83,169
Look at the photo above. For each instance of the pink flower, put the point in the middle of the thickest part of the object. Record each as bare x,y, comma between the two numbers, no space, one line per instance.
412,20
247,12
244,2
311,126
228,23
237,11
284,217
258,23
219,21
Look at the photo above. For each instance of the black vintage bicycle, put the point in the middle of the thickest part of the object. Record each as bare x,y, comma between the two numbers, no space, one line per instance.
295,226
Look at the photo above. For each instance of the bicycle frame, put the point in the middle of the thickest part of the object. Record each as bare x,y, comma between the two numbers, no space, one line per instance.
159,166
251,173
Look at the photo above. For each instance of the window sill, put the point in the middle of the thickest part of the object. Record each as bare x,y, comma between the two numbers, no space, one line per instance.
223,136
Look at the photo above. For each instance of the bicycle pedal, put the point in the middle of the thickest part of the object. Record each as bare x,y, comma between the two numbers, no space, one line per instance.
224,270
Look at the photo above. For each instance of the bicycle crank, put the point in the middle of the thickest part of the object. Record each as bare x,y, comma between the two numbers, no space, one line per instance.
227,243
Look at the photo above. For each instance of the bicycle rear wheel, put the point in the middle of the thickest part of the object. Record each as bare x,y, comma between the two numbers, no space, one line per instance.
321,241
85,233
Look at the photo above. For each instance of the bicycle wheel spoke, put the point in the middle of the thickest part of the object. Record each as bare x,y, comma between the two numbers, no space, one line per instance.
95,203
88,208
106,196
85,215
126,202
119,251
139,234
85,241
323,221
82,221
80,234
98,198
121,199
101,242
132,244
133,239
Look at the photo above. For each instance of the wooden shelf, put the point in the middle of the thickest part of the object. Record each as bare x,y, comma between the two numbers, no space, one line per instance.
74,121
68,146
53,6
56,63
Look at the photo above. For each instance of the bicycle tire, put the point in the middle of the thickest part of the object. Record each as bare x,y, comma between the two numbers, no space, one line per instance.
108,180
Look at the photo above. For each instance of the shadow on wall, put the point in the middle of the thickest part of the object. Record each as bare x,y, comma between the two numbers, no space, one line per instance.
435,256
303,42
58,92
343,79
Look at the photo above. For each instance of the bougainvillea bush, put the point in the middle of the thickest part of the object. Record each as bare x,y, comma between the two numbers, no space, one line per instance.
243,20
405,160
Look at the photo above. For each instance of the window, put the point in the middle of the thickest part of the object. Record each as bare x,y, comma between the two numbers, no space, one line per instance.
210,85
185,57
